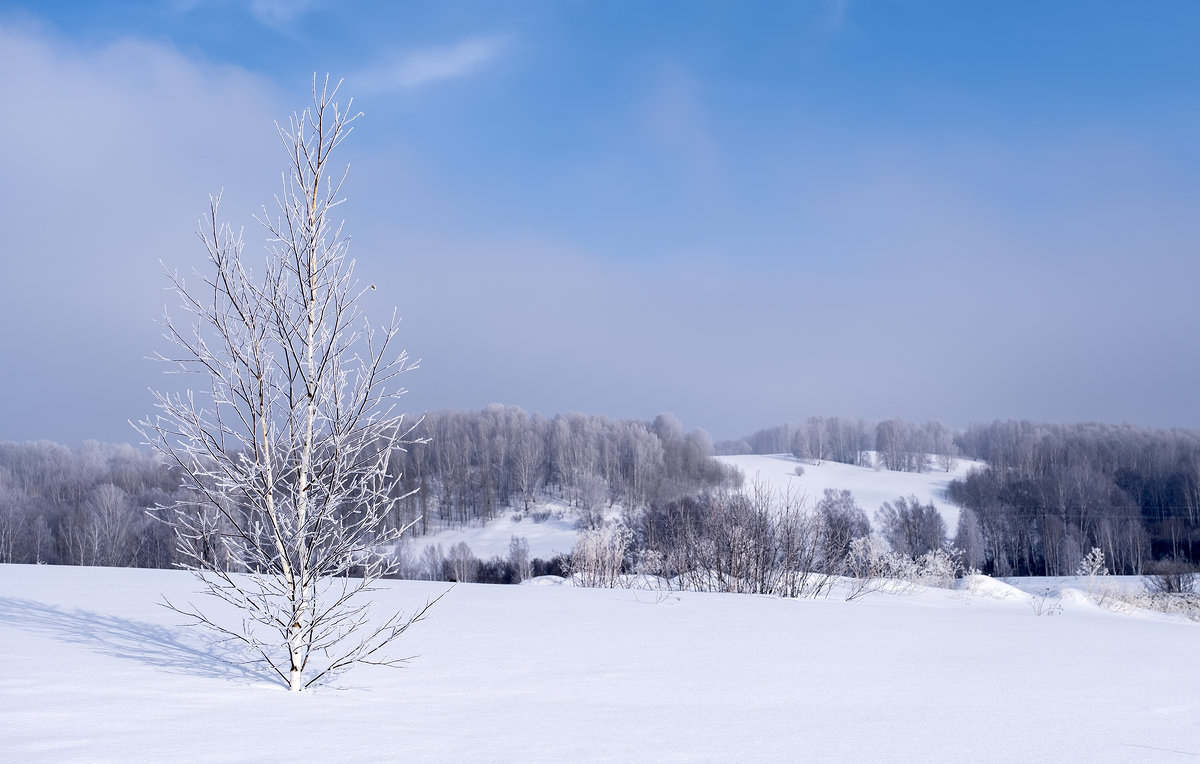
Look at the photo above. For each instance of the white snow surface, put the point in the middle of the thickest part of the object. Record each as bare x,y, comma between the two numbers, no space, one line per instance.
550,537
871,487
95,670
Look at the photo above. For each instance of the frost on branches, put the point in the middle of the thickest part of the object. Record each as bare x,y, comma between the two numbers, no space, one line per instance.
1092,565
284,443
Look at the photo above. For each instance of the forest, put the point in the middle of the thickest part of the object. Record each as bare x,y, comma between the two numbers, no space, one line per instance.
1043,495
1047,493
1051,492
895,443
86,506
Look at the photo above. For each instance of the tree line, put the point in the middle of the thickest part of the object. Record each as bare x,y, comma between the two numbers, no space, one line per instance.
1050,492
83,506
1047,493
477,464
1045,496
87,506
893,444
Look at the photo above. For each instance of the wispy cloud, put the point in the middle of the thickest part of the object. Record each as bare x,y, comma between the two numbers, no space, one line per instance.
418,68
276,13
679,121
835,14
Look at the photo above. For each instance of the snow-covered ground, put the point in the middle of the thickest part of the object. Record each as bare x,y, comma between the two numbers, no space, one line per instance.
547,538
871,487
95,671
1056,584
557,535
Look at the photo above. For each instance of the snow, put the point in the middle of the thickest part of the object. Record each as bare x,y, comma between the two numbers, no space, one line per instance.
96,671
871,487
547,538
557,534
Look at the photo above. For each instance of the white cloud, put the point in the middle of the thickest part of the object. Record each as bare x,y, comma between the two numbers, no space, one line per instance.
417,68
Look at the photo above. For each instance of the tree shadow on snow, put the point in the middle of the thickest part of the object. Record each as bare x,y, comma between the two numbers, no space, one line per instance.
174,650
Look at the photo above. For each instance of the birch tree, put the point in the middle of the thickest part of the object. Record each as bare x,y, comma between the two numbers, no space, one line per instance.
287,434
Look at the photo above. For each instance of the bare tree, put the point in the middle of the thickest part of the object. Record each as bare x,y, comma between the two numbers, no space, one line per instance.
464,566
842,521
599,555
968,537
12,524
911,528
528,464
289,437
103,531
518,558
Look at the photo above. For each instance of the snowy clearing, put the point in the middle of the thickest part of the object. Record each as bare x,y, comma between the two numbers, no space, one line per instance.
557,534
97,671
870,487
549,537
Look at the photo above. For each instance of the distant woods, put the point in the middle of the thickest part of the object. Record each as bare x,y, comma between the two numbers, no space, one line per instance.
480,463
1049,493
87,506
892,444
84,506
1045,495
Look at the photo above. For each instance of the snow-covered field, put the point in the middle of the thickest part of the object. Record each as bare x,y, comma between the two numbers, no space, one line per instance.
871,488
552,536
95,671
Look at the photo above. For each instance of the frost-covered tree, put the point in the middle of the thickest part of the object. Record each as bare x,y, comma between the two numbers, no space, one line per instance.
599,554
1092,565
842,522
518,558
911,528
968,538
464,565
288,435
12,524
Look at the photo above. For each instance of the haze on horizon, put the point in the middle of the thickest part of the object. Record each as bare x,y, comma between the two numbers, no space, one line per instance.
740,214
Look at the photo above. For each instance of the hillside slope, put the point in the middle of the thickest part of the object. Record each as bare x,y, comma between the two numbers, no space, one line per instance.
870,487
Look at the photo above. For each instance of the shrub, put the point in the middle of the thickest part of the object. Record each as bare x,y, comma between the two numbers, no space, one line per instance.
1171,576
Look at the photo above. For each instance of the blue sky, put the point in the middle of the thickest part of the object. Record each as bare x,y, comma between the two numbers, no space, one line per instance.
744,213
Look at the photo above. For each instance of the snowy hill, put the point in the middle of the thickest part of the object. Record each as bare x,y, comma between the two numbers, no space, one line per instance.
870,487
557,534
96,671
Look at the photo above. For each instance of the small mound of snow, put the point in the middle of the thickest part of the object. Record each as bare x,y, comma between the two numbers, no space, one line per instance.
986,586
545,581
1075,596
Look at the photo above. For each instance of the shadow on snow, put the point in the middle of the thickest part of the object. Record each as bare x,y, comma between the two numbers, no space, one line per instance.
170,649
